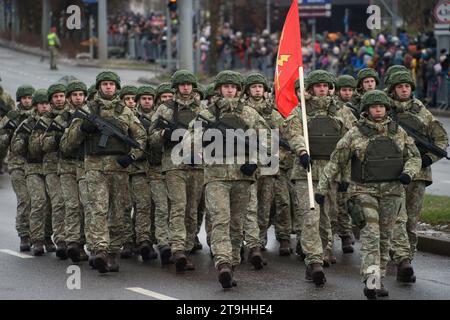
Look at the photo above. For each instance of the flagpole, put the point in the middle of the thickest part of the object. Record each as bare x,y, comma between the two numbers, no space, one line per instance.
306,136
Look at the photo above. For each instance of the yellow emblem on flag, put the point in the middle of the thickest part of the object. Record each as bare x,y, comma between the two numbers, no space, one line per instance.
283,58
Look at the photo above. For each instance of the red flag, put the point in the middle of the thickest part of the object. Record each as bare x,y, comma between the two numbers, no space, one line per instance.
289,60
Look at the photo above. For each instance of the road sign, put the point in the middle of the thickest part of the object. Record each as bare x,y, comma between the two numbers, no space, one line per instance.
314,8
442,11
307,2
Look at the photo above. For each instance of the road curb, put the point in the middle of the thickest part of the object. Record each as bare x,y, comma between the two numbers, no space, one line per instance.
425,244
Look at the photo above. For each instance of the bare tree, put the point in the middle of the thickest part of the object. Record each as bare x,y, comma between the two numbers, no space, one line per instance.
214,19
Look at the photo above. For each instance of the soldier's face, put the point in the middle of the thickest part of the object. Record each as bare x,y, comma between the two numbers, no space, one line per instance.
377,112
59,99
228,90
166,97
321,89
185,89
26,101
403,90
129,101
146,103
108,88
257,90
77,98
346,93
43,108
369,84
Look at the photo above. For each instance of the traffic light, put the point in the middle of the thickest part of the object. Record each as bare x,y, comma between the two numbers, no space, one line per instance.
172,5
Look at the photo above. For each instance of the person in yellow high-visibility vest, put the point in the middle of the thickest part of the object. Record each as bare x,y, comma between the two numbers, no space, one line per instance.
53,45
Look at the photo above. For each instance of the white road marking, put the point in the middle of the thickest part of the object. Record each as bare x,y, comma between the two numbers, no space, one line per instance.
149,293
16,254
445,181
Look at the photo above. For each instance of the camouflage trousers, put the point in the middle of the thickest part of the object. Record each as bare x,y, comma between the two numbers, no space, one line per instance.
227,202
142,202
53,186
40,214
380,214
251,227
74,218
308,223
274,191
19,184
342,225
158,190
413,202
185,191
108,196
328,213
400,241
82,188
129,218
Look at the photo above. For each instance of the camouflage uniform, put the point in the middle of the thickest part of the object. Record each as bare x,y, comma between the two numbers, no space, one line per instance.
184,182
69,163
376,194
323,114
414,114
26,144
106,172
6,104
16,162
50,147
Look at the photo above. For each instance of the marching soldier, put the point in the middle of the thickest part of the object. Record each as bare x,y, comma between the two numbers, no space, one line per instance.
16,162
383,158
184,182
107,167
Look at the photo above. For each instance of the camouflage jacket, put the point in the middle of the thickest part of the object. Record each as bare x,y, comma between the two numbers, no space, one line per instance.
15,161
316,106
28,145
354,144
285,126
114,109
166,110
7,102
250,117
50,143
154,147
433,129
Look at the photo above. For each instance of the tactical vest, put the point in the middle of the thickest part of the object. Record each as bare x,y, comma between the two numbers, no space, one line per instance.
383,160
113,145
37,157
324,133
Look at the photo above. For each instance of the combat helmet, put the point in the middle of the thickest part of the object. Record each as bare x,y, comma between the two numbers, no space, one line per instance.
128,90
23,91
107,76
345,81
145,91
40,96
319,76
391,70
375,97
76,86
164,87
367,73
228,77
400,77
182,77
256,78
55,88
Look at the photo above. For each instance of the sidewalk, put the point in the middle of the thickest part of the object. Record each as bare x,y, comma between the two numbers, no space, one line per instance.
88,63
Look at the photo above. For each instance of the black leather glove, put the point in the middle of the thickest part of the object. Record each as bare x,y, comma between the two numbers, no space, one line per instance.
89,128
248,169
58,138
320,198
343,186
405,179
125,161
167,135
305,160
426,161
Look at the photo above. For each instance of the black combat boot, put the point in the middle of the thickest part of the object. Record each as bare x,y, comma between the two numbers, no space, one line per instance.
49,245
255,258
112,262
299,251
101,261
285,248
144,250
73,251
25,244
347,244
180,260
91,260
164,254
38,248
127,250
83,254
382,292
189,264
197,245
225,275
314,272
61,250
371,294
242,253
405,272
